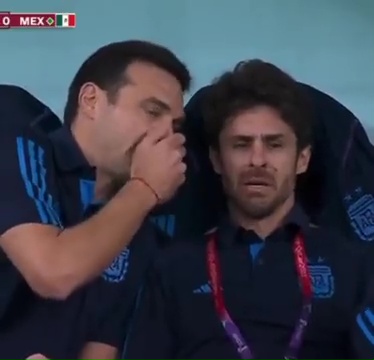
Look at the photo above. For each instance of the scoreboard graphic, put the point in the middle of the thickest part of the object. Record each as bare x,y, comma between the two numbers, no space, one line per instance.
12,20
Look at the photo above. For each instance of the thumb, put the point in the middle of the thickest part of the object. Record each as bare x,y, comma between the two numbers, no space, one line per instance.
36,356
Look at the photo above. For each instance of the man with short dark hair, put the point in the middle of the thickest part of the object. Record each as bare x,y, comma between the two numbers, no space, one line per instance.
266,283
72,201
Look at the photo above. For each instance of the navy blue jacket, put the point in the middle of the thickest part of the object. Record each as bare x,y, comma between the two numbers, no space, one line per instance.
176,317
47,180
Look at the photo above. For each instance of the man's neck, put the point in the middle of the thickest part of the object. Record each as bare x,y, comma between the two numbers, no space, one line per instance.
106,186
81,136
262,227
103,185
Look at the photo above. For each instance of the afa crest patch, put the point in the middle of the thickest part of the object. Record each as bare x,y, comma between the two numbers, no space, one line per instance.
117,271
361,214
323,281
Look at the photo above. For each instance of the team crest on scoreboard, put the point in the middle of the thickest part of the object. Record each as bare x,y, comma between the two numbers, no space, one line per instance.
118,269
360,209
323,281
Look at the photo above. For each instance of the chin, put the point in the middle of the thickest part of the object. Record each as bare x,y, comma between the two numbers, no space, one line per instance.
259,212
256,209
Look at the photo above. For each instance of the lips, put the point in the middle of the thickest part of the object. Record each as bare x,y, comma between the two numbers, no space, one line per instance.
257,182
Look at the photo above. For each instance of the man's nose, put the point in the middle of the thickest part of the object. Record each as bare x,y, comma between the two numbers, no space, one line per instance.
258,154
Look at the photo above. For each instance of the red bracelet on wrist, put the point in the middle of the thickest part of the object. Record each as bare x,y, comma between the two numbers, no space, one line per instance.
145,183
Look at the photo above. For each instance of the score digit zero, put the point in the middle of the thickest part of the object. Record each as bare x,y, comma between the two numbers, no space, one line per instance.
4,20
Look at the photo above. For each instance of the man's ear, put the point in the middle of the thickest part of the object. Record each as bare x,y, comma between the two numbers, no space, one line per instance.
88,100
215,160
303,160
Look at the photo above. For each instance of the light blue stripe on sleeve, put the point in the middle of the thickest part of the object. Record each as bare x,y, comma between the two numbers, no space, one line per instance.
25,157
36,174
31,159
47,199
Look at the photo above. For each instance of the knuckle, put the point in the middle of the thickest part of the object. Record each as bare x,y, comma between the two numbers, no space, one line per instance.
182,152
183,167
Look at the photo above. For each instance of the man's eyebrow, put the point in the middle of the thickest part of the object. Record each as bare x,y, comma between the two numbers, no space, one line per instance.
274,137
155,101
267,137
244,138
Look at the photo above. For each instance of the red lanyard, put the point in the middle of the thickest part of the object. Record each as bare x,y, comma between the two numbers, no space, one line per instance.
228,324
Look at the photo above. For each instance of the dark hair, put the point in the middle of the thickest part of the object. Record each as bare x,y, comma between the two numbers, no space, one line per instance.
106,68
253,83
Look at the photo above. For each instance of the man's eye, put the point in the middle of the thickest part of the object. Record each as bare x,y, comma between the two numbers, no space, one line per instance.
240,145
154,112
275,145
